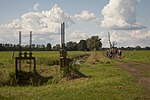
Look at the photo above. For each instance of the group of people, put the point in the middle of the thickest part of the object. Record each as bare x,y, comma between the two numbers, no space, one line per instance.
113,52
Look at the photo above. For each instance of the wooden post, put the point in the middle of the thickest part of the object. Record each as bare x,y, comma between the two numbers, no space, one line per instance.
16,70
13,53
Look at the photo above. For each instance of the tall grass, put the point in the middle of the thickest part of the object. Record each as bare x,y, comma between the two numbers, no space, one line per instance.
43,62
106,81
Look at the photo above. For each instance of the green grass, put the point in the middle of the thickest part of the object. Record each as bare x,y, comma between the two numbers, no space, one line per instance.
44,62
5,57
141,60
140,56
97,57
105,82
42,58
145,70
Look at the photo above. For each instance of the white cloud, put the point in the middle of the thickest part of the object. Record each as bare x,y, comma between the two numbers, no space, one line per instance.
127,38
42,22
45,22
7,36
77,35
85,16
36,7
122,38
121,15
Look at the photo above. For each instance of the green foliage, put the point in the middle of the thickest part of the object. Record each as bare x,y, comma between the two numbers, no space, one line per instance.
94,43
82,46
66,71
57,47
48,47
72,46
6,74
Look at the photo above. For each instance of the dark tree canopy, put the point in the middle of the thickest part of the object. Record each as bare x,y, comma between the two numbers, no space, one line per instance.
72,46
48,47
94,43
82,45
57,47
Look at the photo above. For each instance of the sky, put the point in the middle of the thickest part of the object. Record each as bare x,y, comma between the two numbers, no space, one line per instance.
127,21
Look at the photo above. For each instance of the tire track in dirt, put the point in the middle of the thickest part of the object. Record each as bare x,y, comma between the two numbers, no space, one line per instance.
131,68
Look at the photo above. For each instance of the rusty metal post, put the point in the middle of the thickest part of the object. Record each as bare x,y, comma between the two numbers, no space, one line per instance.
30,40
24,56
62,34
63,44
63,52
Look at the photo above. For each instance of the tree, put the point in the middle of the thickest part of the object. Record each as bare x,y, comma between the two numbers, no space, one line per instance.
147,48
48,47
2,48
82,45
75,45
26,48
137,47
112,44
33,47
94,43
37,47
42,47
70,46
57,47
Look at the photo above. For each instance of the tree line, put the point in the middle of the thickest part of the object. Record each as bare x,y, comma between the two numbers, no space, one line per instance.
84,45
130,48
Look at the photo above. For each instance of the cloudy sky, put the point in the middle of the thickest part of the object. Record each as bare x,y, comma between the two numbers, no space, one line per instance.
127,21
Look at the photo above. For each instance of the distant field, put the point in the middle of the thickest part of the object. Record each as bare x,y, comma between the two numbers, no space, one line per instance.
106,80
45,58
140,56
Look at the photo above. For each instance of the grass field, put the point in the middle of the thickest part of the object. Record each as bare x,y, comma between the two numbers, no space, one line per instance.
105,81
140,56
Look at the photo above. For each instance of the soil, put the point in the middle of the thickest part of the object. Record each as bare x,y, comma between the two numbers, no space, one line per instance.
133,69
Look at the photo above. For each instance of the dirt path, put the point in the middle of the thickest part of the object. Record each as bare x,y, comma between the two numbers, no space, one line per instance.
138,70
